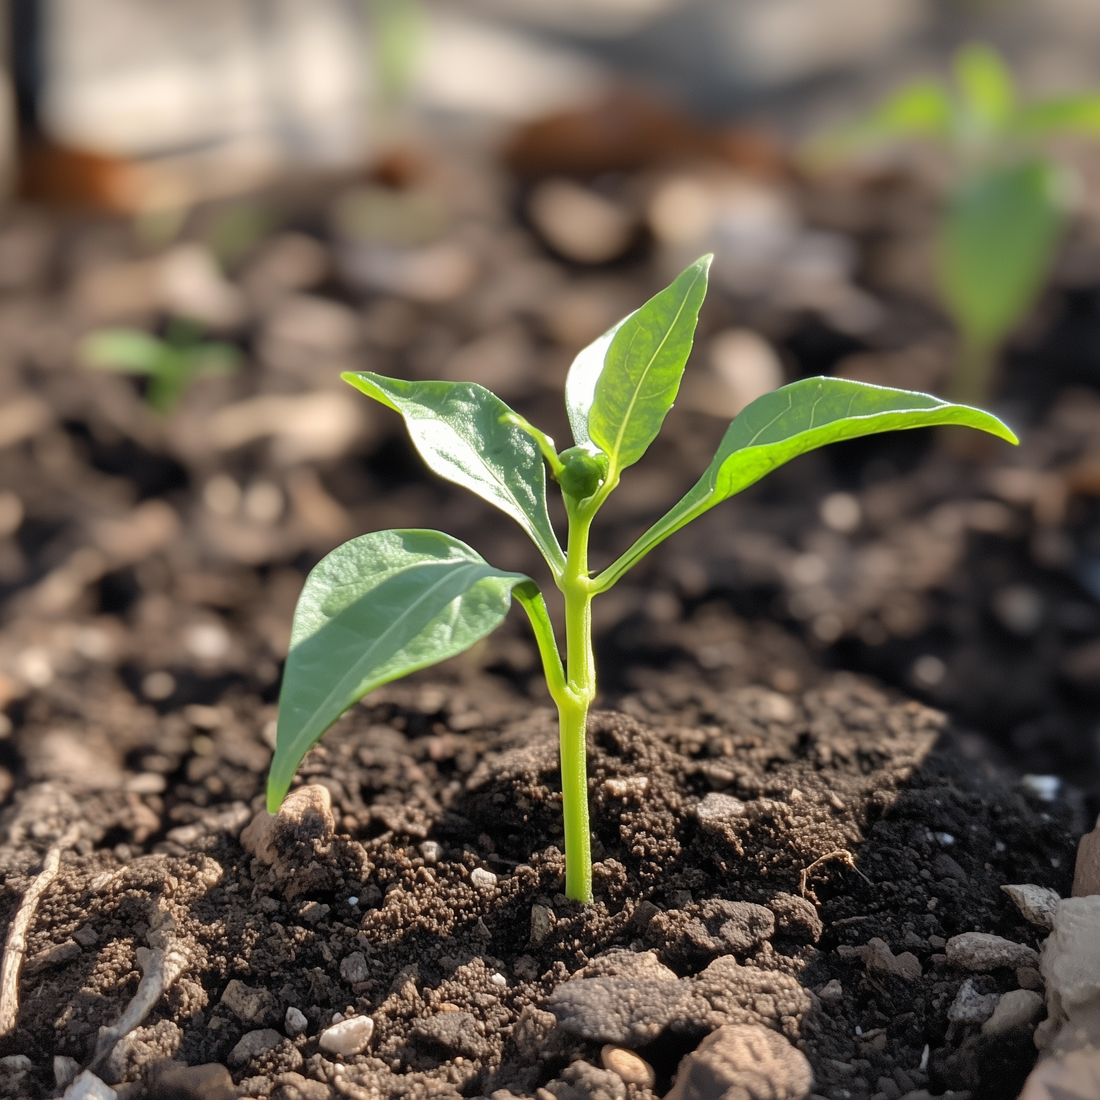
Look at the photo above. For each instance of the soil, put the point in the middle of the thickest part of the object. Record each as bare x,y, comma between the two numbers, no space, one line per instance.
149,568
912,837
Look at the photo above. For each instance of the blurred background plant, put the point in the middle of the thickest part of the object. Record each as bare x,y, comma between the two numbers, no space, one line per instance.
1007,197
171,364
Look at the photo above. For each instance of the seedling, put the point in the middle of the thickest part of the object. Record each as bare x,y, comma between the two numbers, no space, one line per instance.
171,364
389,602
1007,199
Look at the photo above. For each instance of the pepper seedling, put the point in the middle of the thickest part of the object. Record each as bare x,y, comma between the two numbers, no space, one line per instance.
1007,198
171,364
389,602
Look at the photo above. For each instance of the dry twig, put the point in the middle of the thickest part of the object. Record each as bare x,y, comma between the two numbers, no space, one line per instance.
16,945
844,856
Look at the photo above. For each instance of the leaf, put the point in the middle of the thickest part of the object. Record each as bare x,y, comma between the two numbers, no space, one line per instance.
642,369
460,431
986,85
1050,117
995,246
376,608
123,349
788,422
919,108
580,383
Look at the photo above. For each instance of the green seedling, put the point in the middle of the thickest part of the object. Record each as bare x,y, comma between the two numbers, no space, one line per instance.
171,364
389,602
1007,199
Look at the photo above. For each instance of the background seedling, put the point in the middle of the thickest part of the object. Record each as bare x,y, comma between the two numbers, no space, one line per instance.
389,602
172,364
1007,199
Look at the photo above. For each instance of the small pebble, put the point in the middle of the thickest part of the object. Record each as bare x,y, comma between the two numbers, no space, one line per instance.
541,923
431,850
353,900
1017,1009
970,1006
347,1037
1036,903
482,879
498,979
1043,787
89,1087
832,992
296,1022
631,1067
983,951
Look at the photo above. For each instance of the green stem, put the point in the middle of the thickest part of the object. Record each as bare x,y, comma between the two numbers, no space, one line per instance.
974,366
573,706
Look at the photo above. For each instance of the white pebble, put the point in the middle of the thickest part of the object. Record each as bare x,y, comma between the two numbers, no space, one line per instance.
431,850
482,879
1044,787
498,979
353,900
296,1022
347,1037
946,839
89,1087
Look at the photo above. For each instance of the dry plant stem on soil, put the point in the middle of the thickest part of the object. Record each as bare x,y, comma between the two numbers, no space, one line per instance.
390,602
16,944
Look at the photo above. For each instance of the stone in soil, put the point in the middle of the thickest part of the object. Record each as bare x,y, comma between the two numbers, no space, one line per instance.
347,1037
1036,903
983,951
744,1061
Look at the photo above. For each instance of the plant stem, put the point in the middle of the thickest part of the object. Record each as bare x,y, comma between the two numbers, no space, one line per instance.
573,704
974,364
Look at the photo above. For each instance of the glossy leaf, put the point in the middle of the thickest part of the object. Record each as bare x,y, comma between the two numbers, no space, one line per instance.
461,432
996,243
377,608
790,421
643,367
986,86
580,383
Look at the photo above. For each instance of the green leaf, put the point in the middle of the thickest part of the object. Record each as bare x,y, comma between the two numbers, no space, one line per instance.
788,422
376,608
123,349
995,246
986,85
1050,117
462,432
642,369
580,383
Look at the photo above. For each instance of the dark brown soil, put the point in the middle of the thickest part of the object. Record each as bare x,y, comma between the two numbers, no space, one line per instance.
912,836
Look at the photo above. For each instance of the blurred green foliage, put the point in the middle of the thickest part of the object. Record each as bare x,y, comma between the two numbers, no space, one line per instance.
171,364
1007,201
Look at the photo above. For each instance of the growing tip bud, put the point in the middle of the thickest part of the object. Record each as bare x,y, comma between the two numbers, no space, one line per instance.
582,473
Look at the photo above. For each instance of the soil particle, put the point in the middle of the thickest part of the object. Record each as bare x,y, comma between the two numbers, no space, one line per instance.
172,1081
744,1061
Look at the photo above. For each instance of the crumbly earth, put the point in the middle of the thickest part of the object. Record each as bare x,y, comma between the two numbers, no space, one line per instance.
836,815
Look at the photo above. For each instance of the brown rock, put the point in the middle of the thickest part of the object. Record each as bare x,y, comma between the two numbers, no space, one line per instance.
744,1061
1086,873
631,1067
206,1082
307,810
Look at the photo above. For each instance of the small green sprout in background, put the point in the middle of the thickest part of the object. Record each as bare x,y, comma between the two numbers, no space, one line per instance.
172,364
1007,201
389,602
